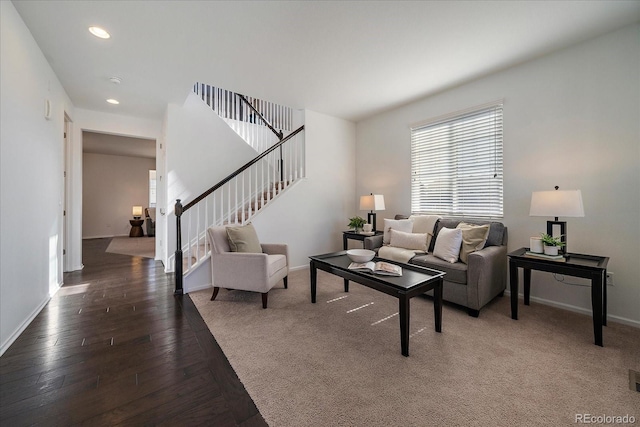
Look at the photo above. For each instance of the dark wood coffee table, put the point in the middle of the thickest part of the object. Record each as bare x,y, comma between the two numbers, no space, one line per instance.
414,281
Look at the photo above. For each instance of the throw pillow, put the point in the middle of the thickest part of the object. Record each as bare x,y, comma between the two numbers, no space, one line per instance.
243,239
474,238
424,224
400,239
397,224
448,244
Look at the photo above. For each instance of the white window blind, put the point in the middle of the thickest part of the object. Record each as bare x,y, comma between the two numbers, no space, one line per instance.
456,165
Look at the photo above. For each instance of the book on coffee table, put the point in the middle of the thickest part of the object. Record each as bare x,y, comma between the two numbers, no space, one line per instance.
380,267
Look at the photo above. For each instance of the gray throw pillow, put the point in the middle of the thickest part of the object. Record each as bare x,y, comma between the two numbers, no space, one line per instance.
244,239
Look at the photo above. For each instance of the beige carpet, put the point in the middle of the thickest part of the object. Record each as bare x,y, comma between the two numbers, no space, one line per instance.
321,365
135,246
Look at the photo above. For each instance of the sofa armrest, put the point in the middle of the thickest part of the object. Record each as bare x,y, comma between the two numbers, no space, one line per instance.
275,249
373,242
486,275
226,274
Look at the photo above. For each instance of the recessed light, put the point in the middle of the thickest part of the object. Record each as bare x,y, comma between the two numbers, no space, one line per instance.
99,32
113,101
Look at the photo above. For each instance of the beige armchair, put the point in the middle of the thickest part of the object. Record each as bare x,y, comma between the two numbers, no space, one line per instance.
256,272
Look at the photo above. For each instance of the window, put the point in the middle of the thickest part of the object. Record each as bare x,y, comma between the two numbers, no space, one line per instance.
152,188
456,164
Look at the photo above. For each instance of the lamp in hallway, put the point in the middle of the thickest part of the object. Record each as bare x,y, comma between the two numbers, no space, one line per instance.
558,203
372,202
137,212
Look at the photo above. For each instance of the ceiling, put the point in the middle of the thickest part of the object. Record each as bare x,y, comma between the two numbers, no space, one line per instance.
349,59
116,145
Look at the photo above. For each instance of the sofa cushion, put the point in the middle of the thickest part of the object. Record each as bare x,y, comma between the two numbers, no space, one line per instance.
448,243
496,230
474,238
456,272
243,239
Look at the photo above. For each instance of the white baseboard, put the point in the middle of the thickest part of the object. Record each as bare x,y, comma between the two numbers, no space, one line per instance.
575,309
198,288
14,336
105,237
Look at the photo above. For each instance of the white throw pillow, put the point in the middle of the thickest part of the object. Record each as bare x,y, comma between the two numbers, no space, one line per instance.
400,239
448,244
397,224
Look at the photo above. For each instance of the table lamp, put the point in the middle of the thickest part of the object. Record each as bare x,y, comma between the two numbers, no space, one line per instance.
137,212
372,202
556,204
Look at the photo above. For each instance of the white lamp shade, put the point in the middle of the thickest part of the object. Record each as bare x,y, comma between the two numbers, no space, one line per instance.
557,203
137,211
372,202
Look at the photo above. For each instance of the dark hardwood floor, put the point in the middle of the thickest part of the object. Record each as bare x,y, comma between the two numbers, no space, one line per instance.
114,346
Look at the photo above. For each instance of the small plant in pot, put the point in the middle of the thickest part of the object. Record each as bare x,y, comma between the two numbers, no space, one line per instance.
356,223
551,244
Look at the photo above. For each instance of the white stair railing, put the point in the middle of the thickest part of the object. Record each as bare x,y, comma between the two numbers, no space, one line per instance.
252,126
236,200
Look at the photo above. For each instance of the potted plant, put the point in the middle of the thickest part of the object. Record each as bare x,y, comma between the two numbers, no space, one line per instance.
551,244
356,223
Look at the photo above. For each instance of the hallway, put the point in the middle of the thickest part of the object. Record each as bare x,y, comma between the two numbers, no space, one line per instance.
114,346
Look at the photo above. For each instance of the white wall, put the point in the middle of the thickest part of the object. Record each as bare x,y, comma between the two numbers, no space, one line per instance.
311,216
570,119
31,177
116,124
112,185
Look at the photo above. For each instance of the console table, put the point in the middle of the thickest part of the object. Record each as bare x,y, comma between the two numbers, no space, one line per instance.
578,265
356,236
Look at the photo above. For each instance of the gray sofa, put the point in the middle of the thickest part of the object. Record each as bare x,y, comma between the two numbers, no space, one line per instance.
471,285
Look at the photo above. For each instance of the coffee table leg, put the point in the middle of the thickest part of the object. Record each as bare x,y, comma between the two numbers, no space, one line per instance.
404,324
437,305
346,285
314,274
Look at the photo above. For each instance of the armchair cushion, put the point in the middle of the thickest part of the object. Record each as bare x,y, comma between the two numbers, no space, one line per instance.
244,239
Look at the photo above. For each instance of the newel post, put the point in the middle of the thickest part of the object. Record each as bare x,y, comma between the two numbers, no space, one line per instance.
178,256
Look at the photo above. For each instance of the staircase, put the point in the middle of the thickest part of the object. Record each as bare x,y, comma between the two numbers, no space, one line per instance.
238,198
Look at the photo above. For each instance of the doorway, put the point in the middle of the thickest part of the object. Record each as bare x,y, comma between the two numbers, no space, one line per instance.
115,188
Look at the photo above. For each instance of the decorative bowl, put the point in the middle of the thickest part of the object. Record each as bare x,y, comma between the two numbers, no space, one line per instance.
360,255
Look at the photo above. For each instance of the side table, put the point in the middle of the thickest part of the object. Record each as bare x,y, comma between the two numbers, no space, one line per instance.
346,235
136,228
592,267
